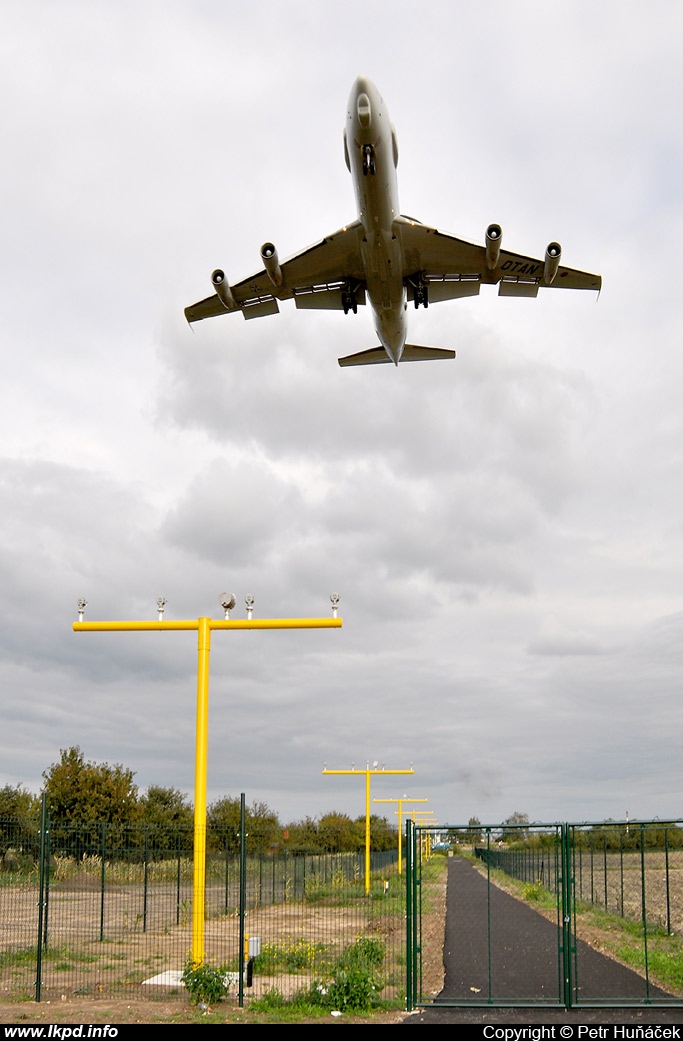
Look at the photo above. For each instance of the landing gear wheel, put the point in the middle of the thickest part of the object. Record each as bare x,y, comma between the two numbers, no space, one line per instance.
368,160
421,295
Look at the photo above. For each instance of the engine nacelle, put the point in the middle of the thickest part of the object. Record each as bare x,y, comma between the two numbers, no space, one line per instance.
271,263
494,237
553,255
223,290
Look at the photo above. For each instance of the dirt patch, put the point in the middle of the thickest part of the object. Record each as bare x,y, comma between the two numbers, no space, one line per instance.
81,882
107,949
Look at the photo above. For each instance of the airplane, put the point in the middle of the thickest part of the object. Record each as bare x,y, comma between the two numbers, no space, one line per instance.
383,257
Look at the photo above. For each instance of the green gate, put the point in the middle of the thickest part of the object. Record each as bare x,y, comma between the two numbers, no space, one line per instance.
564,915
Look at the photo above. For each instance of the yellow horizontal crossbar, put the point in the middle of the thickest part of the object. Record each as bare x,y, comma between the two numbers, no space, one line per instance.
193,624
364,772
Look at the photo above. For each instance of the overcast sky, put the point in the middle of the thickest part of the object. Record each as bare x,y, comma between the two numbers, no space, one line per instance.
505,531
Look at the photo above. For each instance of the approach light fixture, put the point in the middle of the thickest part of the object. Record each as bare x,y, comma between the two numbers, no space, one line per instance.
249,602
334,600
161,604
204,627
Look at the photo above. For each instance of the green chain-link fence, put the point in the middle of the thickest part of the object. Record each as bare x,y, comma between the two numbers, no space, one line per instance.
560,914
98,909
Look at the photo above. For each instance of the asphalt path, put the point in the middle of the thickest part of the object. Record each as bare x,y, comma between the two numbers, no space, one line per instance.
520,966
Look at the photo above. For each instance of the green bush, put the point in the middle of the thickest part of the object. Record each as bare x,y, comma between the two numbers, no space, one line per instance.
354,985
352,990
205,983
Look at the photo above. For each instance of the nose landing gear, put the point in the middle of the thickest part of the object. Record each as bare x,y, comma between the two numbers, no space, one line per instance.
368,160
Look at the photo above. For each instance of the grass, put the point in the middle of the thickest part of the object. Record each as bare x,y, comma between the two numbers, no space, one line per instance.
64,956
624,940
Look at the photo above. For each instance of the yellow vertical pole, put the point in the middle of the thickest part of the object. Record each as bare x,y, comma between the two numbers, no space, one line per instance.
367,830
201,758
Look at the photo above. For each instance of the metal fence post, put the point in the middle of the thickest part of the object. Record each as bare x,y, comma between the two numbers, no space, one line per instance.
566,916
177,899
668,891
103,853
410,1005
146,881
243,878
644,909
41,895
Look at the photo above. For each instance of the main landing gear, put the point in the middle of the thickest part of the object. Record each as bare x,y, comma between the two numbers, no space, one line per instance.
349,301
420,293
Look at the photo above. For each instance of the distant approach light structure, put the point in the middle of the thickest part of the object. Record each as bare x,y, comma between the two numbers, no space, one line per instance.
367,773
203,627
384,258
399,812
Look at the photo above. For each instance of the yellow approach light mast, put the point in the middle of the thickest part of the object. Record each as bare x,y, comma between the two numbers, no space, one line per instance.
204,627
367,773
399,811
420,817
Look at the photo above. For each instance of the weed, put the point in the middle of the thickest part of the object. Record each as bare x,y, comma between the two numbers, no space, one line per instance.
532,891
289,956
205,983
365,953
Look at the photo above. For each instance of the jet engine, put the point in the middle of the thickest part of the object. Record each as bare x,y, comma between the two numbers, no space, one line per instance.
271,263
494,237
223,290
553,254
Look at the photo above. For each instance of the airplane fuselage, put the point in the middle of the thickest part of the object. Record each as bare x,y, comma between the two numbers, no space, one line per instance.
372,156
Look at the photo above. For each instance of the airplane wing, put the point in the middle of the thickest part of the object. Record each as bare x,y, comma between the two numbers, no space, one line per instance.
317,277
453,267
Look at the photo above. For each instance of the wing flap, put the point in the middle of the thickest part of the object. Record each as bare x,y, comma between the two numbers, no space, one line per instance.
324,298
452,289
517,287
260,308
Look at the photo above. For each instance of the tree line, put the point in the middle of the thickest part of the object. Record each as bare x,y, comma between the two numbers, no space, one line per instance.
80,793
516,832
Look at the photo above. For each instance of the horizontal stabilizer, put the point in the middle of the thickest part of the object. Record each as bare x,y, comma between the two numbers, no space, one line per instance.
375,356
413,353
378,356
